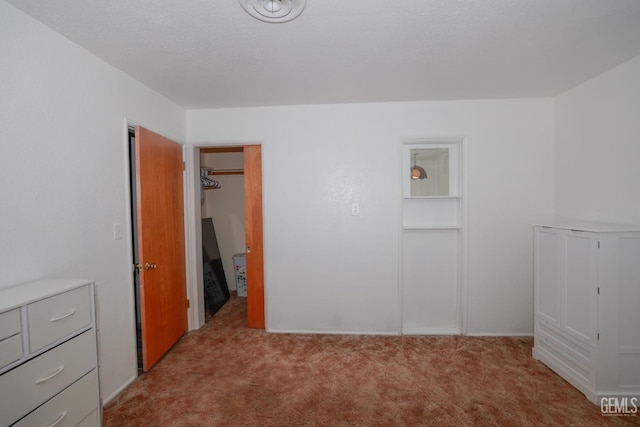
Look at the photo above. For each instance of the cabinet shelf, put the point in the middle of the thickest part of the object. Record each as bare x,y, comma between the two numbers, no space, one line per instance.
432,212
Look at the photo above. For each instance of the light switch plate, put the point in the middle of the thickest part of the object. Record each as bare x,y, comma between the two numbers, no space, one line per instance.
117,231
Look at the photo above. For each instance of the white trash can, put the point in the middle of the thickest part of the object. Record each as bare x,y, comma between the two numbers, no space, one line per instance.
240,268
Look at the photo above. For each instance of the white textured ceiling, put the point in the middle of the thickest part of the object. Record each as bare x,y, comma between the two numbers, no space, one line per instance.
210,53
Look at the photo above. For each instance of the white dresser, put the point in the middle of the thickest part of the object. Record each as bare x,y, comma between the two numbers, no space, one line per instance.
587,306
48,355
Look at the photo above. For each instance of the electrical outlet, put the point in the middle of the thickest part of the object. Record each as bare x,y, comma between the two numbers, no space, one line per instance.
355,209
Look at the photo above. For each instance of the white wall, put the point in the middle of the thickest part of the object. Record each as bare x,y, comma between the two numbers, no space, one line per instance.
598,147
326,270
63,173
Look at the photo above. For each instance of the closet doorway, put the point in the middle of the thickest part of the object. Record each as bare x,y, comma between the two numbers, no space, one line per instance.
234,204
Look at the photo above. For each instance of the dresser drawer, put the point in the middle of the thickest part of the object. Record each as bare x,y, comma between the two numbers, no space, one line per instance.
9,323
68,408
574,350
54,318
576,359
33,383
10,350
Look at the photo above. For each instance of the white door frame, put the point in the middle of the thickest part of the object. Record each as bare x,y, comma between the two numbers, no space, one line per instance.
193,216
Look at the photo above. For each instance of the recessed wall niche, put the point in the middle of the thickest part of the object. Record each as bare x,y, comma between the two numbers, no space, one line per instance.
432,244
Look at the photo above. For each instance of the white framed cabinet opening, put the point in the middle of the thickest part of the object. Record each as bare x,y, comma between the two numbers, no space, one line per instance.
431,237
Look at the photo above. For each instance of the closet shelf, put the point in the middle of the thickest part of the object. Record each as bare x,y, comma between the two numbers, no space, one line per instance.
220,171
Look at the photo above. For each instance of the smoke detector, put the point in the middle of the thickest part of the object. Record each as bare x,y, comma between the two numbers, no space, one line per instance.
274,10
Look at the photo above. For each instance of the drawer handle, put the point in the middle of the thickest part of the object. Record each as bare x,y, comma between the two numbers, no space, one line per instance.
48,377
60,418
62,316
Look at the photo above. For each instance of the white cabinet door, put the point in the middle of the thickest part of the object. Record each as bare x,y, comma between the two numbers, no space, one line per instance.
566,281
430,269
581,286
628,345
548,271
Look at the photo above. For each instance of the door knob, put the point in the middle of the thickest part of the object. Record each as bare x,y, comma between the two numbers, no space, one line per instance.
146,266
248,249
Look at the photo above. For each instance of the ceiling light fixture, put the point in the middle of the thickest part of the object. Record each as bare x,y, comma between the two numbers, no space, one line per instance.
274,10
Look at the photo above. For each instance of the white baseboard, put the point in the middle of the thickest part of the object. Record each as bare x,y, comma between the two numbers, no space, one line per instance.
430,331
329,332
514,334
119,390
405,331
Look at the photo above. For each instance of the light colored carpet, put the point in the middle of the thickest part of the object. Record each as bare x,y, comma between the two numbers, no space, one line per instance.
227,375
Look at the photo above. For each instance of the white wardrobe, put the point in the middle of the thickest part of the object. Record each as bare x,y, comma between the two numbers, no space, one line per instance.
587,306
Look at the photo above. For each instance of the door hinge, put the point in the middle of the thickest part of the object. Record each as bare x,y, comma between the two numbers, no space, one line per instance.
598,245
598,291
188,303
184,166
598,336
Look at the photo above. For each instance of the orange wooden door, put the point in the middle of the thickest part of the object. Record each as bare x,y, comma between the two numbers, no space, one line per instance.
160,237
253,235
